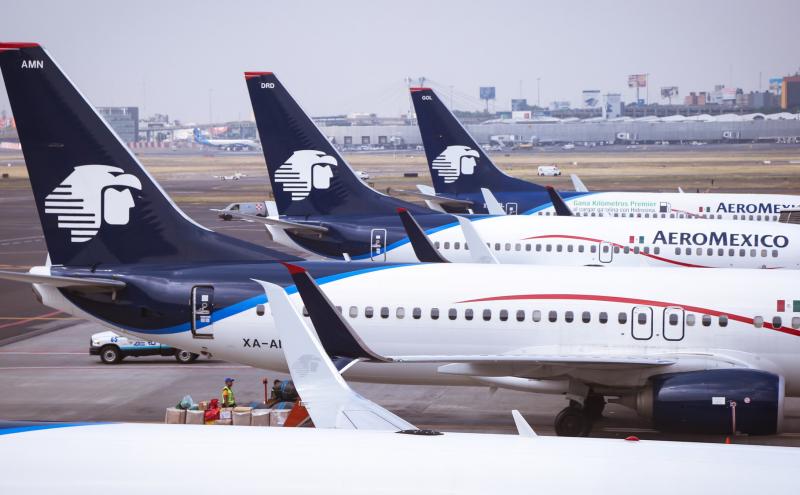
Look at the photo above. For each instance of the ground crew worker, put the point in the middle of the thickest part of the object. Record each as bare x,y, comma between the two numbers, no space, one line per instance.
227,394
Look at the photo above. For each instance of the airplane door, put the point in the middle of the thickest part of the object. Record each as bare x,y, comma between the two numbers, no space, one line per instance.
642,323
511,208
606,252
202,312
377,244
674,324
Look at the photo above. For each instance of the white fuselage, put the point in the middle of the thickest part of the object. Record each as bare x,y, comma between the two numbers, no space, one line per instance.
576,241
720,206
703,319
126,459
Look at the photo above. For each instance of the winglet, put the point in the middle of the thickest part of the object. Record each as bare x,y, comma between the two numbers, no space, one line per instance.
578,184
492,205
420,242
330,402
478,249
561,207
523,427
337,336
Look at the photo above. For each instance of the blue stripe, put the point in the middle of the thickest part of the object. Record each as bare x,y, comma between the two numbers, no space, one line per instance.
46,426
254,301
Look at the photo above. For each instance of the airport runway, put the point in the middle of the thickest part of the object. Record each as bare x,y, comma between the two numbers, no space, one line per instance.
47,373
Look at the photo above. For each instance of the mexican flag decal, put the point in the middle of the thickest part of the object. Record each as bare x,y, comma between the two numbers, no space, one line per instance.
782,305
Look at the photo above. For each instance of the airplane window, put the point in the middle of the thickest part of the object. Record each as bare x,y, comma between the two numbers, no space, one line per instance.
384,312
751,217
416,313
741,252
527,247
305,312
698,251
720,252
434,313
636,250
673,319
736,217
723,320
468,314
710,251
602,317
774,217
796,322
706,319
487,314
520,315
353,311
456,245
552,316
758,217
627,250
497,246
569,248
647,215
508,246
763,253
518,247
752,253
731,252
580,248
616,249
777,322
548,248
593,248
537,315
368,312
641,318
503,314
605,249
569,316
758,321
559,247
436,244
466,247
647,250
622,318
690,320
538,247
677,250
400,313
616,214
452,313
447,245
774,253
586,317
672,215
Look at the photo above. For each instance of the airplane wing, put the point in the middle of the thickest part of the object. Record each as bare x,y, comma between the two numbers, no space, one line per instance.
492,205
420,242
80,283
578,184
478,250
275,222
428,194
330,402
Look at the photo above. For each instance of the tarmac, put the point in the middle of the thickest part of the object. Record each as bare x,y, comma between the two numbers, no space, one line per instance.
47,374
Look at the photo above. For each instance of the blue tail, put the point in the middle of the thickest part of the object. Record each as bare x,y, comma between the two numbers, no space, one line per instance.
198,136
95,201
309,177
457,163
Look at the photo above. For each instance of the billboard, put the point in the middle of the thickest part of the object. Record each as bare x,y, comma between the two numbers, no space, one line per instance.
590,98
669,91
775,84
637,81
613,107
487,92
519,104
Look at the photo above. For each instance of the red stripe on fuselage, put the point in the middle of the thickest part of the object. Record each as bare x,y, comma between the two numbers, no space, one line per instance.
631,300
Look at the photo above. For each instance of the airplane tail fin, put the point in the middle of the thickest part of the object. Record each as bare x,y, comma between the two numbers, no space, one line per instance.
198,136
458,165
309,177
96,203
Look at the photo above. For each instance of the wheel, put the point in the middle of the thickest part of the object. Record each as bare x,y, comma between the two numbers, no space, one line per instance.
110,354
573,422
185,357
594,405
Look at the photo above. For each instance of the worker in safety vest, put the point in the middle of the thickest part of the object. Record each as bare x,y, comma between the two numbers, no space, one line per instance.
228,399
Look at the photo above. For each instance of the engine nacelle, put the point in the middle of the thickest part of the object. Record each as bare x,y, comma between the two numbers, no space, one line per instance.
701,401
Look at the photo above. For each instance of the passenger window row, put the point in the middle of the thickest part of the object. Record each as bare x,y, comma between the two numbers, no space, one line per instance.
717,216
777,322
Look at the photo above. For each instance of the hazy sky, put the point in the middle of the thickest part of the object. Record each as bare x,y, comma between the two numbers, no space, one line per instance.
339,56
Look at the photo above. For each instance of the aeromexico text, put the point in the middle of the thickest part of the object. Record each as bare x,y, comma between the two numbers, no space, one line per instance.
720,239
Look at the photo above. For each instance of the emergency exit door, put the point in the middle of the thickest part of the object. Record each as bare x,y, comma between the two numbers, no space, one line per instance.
605,252
642,323
377,244
203,312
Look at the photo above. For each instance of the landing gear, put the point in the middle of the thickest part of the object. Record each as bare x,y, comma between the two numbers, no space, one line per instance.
593,406
573,421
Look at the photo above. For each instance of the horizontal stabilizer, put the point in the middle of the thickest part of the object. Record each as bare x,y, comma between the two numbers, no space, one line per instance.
420,242
96,284
492,205
330,402
275,222
523,428
427,193
478,250
578,184
560,206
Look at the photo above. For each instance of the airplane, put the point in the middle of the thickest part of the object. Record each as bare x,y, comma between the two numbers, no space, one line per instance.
235,176
122,254
321,207
350,430
224,144
460,168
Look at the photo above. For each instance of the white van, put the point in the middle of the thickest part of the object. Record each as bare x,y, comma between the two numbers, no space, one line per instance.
549,170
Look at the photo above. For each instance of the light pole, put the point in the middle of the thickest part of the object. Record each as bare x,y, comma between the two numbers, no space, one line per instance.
538,92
